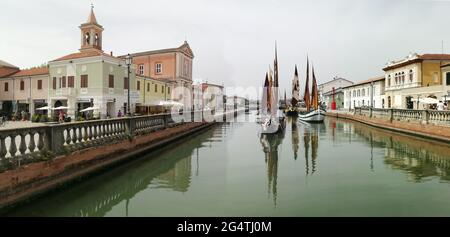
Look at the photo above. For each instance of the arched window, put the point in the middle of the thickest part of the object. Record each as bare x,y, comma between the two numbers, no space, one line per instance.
359,93
354,93
396,78
96,40
363,93
411,75
87,38
403,77
389,80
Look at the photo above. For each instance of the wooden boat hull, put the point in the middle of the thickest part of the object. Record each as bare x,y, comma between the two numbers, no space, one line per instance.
316,116
291,112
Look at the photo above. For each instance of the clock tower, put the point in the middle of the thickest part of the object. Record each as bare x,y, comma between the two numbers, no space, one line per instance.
91,33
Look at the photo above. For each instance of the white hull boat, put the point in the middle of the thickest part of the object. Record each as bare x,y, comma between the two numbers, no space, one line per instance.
313,116
272,125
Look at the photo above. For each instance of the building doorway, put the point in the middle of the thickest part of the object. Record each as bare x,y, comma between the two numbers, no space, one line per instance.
409,102
110,109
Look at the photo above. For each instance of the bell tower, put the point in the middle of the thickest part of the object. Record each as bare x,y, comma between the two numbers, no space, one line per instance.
91,33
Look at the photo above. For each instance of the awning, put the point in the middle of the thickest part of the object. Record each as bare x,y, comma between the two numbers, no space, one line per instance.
170,103
89,109
44,108
428,100
60,108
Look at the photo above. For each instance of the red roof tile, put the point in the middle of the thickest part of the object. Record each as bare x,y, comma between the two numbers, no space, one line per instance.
379,78
435,56
84,54
31,72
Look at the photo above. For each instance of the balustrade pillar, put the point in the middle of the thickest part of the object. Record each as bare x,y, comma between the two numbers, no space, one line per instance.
425,116
391,115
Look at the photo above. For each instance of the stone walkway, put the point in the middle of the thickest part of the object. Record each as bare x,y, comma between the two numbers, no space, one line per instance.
20,124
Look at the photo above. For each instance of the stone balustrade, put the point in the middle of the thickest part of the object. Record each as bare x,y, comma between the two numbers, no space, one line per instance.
33,144
422,116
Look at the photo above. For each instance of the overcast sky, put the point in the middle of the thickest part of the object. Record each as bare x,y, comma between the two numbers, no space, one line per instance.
233,41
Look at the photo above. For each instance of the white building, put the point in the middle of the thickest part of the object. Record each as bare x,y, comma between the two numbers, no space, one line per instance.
365,93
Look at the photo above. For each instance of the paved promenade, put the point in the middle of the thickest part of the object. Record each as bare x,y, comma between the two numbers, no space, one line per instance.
20,124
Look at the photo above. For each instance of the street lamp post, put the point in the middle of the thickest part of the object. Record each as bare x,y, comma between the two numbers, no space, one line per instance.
128,63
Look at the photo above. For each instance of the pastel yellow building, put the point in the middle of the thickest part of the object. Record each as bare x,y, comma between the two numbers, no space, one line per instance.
413,78
152,91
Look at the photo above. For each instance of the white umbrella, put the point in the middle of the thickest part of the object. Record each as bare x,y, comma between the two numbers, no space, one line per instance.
60,108
88,109
44,108
170,103
429,100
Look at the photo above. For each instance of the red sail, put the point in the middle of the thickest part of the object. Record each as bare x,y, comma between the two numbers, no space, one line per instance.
314,93
306,97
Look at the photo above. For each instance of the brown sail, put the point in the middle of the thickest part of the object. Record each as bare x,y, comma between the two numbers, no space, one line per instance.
314,93
306,97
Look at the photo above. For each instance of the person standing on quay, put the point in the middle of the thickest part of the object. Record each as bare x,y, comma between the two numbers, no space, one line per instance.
440,105
119,114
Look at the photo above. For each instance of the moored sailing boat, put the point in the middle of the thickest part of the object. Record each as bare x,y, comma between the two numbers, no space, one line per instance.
313,112
292,110
274,120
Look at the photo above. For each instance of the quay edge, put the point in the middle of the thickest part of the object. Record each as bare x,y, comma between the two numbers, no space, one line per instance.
36,179
427,131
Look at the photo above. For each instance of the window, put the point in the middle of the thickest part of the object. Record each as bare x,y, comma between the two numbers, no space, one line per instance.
359,93
156,88
354,93
64,82
148,87
141,69
84,81
168,90
39,84
125,83
158,68
447,78
363,92
138,85
411,75
71,81
111,81
54,83
403,77
396,78
389,80
162,89
6,86
22,85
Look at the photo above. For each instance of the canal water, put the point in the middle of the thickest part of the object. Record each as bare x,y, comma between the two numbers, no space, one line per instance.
338,168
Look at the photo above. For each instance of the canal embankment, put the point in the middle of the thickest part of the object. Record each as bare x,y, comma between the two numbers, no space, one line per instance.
69,152
427,124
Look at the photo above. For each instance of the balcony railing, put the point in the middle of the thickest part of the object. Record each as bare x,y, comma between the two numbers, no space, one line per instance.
437,117
32,144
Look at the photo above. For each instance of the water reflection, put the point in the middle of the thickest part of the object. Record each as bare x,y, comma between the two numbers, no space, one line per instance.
270,144
294,135
311,138
420,159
